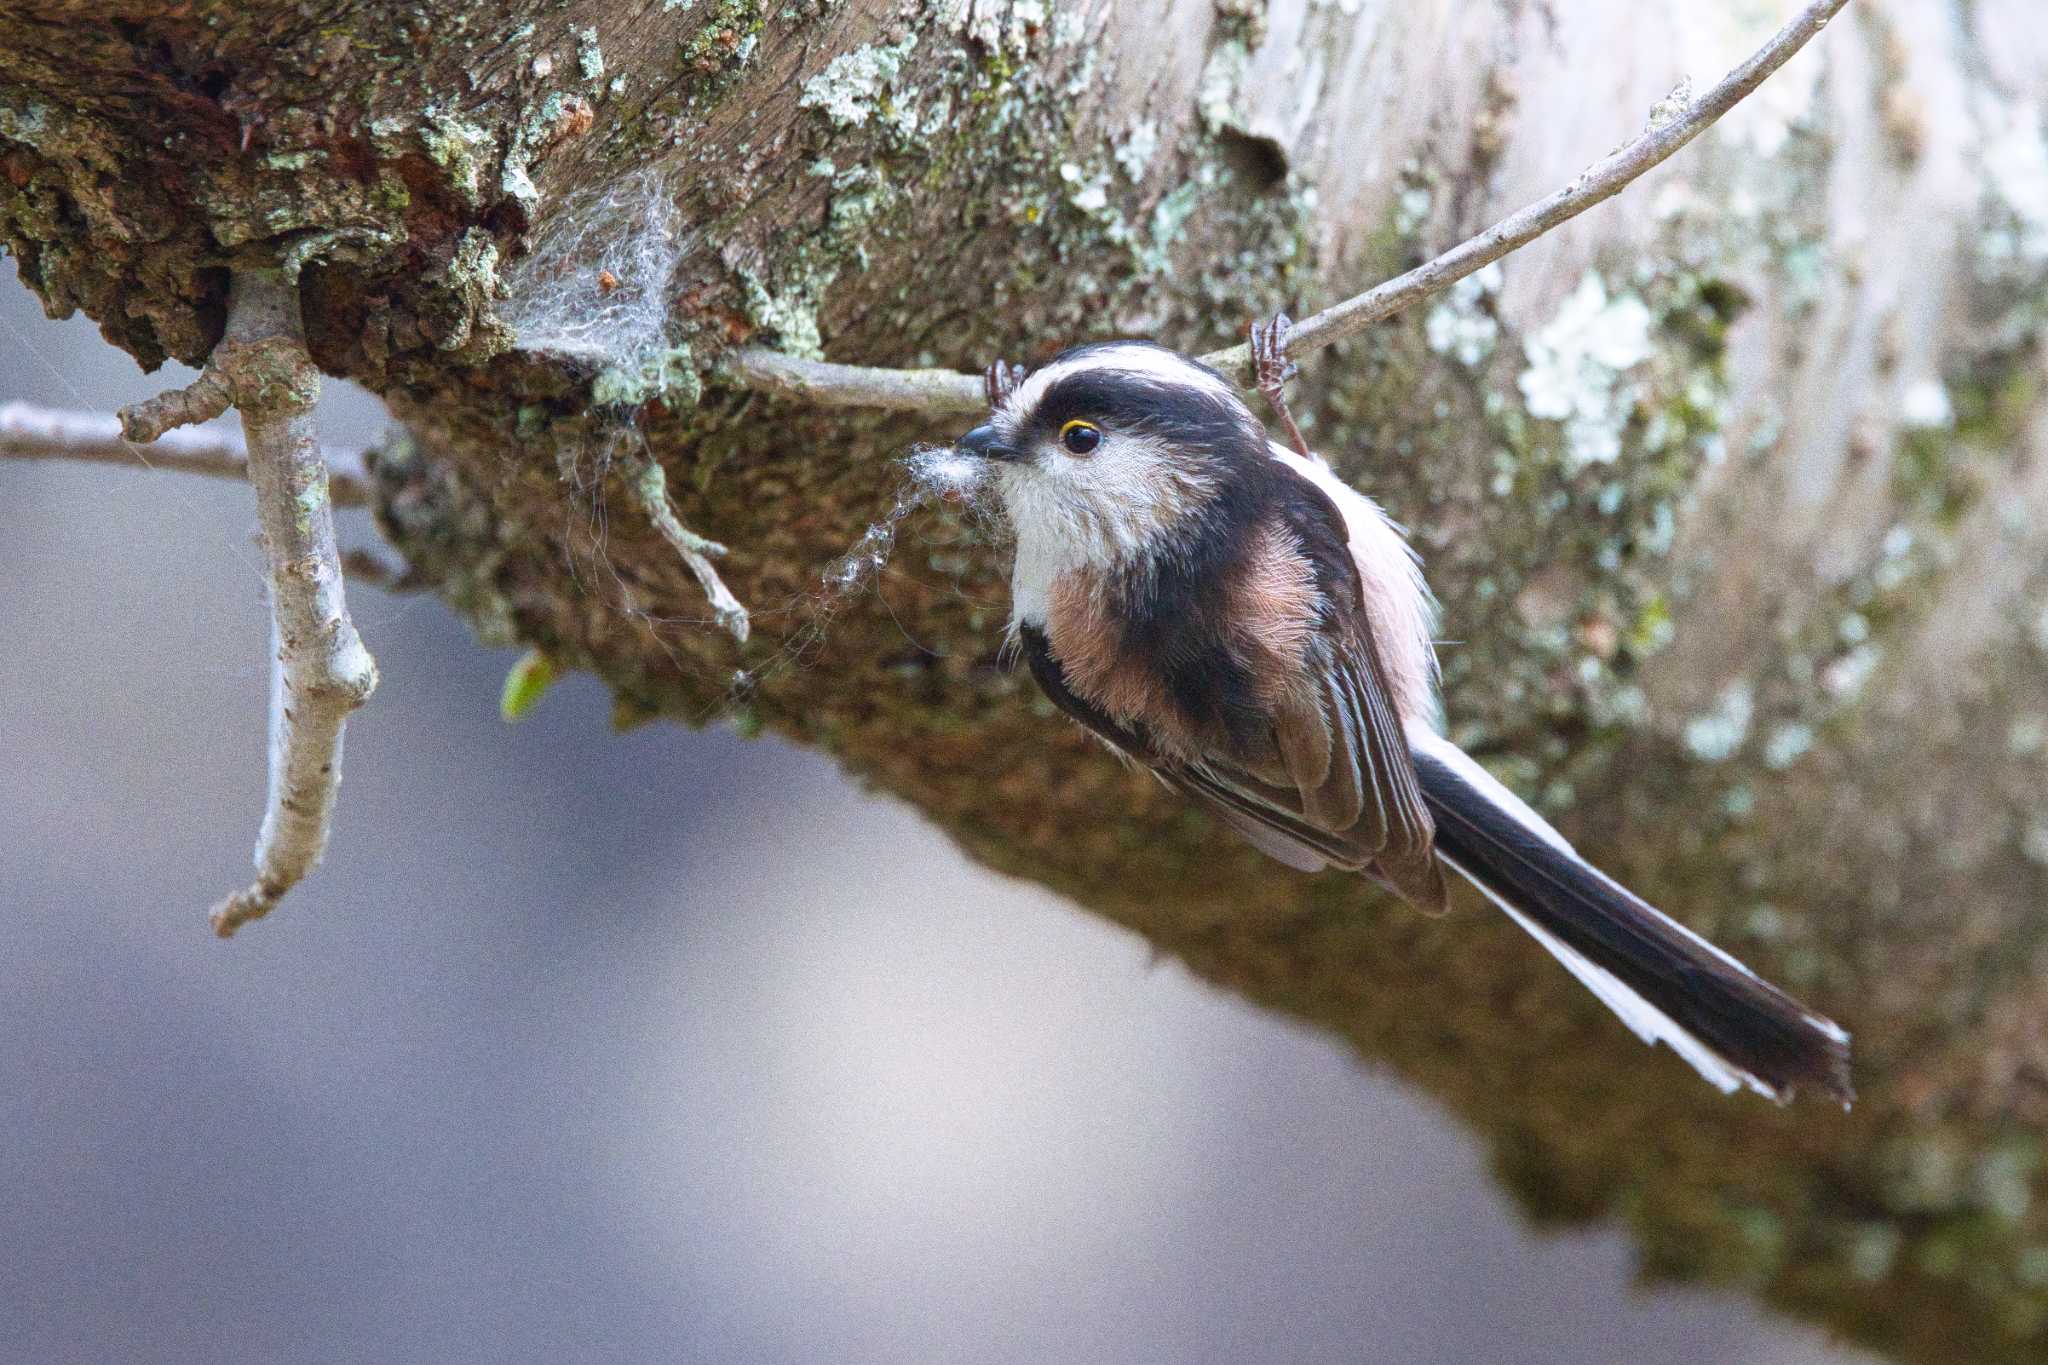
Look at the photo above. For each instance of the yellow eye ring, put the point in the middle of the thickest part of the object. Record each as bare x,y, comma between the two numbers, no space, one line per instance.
1080,437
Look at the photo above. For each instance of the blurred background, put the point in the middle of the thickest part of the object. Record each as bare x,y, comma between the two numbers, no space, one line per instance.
646,1047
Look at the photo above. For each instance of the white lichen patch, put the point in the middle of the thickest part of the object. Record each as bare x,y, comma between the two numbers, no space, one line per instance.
517,183
1411,210
1089,190
1786,744
1006,27
849,89
1223,77
1675,102
542,125
26,125
1925,405
792,315
1134,153
1462,324
1715,735
589,56
1845,678
1578,366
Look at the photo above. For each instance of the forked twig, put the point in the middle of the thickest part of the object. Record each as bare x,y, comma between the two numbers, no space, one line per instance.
320,670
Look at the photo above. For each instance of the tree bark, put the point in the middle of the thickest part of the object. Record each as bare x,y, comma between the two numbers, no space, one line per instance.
1734,490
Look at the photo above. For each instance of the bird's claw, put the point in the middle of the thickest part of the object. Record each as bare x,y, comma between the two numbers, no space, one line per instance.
1272,369
1269,355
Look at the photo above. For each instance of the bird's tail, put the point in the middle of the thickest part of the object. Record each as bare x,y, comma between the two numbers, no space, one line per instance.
1666,982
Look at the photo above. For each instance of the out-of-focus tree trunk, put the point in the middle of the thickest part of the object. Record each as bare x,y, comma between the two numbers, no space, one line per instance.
1736,491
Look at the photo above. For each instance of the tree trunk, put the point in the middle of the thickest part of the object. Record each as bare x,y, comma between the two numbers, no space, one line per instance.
1734,491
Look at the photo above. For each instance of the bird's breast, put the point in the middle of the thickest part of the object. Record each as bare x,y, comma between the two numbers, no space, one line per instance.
1203,667
1088,635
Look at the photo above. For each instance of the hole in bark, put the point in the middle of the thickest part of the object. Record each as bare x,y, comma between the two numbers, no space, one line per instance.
1260,161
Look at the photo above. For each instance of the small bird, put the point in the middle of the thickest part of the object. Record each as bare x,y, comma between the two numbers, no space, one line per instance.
1226,612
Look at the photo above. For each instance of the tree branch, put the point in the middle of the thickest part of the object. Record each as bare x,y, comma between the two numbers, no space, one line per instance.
320,670
28,432
856,386
947,391
202,400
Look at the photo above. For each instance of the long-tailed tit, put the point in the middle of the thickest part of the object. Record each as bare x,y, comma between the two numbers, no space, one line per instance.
1228,613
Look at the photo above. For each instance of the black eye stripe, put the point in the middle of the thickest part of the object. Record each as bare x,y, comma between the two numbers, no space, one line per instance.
1119,400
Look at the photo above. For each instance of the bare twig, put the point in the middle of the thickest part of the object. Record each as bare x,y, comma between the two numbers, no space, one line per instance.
649,485
945,391
1665,134
856,386
28,432
202,400
320,670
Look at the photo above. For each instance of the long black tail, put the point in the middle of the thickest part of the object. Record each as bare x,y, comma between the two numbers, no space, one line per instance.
1666,983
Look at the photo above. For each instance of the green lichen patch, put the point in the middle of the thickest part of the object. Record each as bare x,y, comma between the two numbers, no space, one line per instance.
851,89
667,373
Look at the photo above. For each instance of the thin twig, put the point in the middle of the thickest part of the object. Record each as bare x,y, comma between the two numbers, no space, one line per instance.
946,391
1596,184
202,400
649,485
28,432
858,386
320,671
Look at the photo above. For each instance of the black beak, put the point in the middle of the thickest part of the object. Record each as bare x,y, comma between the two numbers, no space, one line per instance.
982,443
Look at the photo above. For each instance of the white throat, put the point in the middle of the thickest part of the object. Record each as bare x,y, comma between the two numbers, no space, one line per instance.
1053,539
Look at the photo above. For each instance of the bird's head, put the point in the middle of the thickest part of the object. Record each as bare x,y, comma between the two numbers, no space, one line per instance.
1111,447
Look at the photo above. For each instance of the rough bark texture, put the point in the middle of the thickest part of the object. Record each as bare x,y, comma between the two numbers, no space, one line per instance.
1734,491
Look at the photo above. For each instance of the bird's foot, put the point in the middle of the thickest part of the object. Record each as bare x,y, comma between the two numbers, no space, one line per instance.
1000,380
1273,369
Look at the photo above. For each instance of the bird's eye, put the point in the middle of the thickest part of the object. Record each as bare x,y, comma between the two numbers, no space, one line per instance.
1079,437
